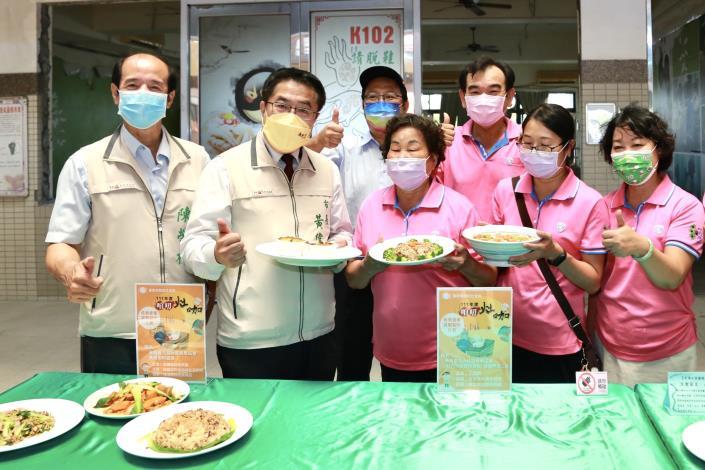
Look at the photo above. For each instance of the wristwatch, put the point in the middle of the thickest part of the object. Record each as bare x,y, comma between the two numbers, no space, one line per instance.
558,259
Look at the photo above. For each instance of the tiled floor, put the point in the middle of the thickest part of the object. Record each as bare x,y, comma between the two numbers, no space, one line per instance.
42,336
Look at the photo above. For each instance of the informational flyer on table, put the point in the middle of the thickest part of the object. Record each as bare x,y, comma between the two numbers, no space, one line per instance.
13,147
474,338
171,331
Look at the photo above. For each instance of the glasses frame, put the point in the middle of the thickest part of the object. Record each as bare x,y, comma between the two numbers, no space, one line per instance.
303,113
398,98
536,148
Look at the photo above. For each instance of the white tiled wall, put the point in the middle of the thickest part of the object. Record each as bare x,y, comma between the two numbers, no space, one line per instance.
595,171
23,224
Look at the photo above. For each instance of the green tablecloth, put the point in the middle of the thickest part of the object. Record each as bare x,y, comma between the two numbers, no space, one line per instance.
669,427
374,425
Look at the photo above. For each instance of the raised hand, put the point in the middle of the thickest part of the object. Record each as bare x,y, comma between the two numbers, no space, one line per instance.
80,284
332,134
623,241
448,130
229,248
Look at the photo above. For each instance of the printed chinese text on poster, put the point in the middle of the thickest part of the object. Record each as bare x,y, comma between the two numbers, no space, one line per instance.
171,325
474,338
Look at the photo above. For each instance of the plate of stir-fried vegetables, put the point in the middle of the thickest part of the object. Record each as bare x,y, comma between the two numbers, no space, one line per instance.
28,422
412,249
124,400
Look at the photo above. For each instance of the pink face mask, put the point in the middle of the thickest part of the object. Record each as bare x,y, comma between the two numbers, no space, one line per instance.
485,109
407,173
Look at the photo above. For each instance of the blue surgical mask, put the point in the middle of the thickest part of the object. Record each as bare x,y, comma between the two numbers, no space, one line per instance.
379,113
142,108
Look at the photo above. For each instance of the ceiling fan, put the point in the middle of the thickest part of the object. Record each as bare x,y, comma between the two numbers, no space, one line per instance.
474,46
476,6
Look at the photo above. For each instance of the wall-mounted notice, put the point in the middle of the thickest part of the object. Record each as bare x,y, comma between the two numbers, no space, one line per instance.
345,43
14,179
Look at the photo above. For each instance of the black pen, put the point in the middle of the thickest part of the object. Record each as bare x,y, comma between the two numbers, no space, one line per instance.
100,265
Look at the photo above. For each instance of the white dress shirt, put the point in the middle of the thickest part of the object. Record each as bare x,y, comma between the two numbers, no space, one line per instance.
72,208
214,201
362,169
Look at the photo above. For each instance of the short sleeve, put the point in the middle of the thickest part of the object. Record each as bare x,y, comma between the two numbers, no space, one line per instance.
597,221
686,227
470,220
358,238
71,214
497,208
440,171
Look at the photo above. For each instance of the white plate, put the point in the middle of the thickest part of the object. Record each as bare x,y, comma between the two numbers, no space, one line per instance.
694,439
180,388
308,256
132,437
67,414
377,251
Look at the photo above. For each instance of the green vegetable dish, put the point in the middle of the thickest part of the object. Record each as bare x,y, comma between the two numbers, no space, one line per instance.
413,250
137,397
17,425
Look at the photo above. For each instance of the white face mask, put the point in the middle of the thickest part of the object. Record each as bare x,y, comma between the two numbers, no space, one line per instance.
541,164
407,173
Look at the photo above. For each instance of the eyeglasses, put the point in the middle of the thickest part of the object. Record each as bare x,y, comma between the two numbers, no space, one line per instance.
542,148
386,97
303,113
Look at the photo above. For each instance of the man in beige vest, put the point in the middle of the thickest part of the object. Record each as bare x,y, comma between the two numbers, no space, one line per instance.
121,208
274,320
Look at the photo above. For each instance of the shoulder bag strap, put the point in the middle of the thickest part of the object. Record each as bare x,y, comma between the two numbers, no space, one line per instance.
591,357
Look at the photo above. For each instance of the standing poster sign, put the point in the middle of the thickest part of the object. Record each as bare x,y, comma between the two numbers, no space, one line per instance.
474,338
171,330
13,147
345,43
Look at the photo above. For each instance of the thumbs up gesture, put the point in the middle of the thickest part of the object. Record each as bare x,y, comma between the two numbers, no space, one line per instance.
448,130
229,248
80,284
622,240
330,136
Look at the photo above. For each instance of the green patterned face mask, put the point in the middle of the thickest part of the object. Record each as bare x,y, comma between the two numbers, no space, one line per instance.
634,167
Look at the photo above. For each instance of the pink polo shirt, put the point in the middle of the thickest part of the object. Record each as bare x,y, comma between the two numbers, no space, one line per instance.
466,171
636,320
404,318
575,215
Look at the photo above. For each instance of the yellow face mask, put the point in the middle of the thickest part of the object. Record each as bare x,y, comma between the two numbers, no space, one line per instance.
286,132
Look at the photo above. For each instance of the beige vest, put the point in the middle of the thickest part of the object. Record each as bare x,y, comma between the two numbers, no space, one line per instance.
264,303
137,244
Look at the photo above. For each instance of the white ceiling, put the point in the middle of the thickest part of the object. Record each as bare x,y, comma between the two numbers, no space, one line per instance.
532,36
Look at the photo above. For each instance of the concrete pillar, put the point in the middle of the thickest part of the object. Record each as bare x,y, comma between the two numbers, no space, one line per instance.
613,69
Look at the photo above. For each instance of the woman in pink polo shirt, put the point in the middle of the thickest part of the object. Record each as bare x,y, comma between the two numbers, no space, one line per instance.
404,316
644,316
569,216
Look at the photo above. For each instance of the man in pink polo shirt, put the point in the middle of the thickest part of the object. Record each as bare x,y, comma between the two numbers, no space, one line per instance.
484,150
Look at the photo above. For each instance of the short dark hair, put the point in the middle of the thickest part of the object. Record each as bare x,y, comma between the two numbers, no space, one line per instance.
172,77
480,65
643,123
431,131
300,76
556,119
